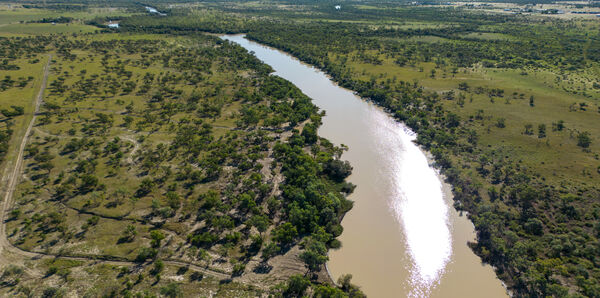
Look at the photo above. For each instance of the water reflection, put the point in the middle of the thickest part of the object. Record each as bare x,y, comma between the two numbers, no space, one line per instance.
401,239
417,203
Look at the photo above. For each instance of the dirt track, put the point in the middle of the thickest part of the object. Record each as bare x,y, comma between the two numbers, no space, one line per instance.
11,182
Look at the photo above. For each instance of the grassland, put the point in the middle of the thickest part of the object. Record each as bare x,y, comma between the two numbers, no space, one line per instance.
155,166
556,156
17,21
41,29
16,13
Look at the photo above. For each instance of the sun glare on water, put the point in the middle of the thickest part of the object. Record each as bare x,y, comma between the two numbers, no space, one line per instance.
418,205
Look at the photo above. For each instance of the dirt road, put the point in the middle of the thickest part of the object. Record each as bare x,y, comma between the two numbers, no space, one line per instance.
15,169
12,180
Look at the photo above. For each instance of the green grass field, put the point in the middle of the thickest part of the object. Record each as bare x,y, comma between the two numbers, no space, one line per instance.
43,29
10,14
489,36
116,109
557,156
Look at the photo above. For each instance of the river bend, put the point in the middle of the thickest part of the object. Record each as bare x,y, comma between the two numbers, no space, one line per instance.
402,238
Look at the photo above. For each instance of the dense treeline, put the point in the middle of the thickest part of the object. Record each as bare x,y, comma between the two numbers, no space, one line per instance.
538,45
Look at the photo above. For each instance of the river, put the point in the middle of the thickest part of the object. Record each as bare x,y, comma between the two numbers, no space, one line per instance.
402,238
154,11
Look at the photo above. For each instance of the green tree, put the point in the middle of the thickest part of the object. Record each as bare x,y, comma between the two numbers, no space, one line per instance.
528,129
531,101
158,267
296,286
309,132
584,139
269,251
145,187
534,226
542,131
314,255
157,236
501,123
260,222
558,126
285,234
88,183
171,290
146,253
128,234
345,283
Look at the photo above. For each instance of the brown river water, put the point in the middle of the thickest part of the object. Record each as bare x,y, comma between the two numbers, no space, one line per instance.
403,238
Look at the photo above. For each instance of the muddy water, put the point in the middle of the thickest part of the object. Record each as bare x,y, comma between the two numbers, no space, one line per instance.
402,238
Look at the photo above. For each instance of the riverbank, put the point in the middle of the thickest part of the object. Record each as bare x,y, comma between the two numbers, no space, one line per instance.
449,196
401,237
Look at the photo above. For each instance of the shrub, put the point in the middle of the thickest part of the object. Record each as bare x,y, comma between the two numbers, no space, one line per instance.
584,139
338,170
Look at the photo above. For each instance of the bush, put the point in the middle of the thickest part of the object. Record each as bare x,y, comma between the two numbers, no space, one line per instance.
309,133
285,234
205,239
51,292
534,226
338,170
146,253
171,290
157,236
17,111
315,255
501,123
584,139
238,269
272,249
51,270
296,286
158,267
